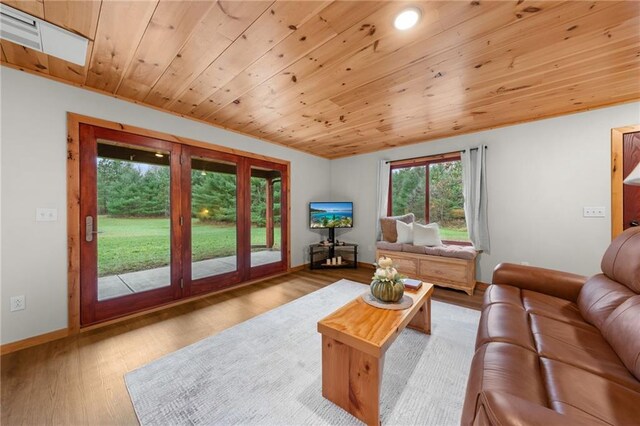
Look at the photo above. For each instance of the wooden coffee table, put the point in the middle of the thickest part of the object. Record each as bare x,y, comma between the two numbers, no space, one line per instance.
354,341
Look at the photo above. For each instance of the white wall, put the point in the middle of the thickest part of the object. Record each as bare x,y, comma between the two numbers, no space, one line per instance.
33,174
540,176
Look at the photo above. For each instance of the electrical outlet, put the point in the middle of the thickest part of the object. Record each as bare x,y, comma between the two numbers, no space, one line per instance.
593,212
17,303
46,215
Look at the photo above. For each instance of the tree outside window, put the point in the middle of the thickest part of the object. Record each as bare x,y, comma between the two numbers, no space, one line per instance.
432,190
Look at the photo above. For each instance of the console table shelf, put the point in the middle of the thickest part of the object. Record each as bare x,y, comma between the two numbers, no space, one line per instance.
319,253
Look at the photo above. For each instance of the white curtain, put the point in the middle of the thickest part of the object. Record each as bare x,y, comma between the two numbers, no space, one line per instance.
384,168
474,181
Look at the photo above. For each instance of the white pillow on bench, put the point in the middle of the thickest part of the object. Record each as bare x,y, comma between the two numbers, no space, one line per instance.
418,235
426,235
405,232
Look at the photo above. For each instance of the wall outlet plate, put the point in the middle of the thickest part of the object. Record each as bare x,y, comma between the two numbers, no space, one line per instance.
17,303
46,215
593,212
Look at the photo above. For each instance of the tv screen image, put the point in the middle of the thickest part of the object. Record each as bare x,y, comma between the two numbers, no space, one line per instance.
331,215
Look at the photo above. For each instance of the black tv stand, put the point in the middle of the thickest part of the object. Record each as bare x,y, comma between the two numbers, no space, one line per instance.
332,235
321,255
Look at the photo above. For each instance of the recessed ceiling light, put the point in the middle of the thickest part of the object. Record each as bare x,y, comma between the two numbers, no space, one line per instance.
159,155
408,18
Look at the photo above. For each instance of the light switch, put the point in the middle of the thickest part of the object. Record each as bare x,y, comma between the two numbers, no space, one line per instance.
46,215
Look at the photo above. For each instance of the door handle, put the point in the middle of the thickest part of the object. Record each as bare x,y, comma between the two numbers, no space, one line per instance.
88,228
634,223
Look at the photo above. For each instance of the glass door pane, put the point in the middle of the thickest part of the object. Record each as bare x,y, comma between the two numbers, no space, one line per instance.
133,220
214,249
266,214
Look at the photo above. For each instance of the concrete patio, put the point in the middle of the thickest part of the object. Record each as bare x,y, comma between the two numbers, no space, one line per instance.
135,282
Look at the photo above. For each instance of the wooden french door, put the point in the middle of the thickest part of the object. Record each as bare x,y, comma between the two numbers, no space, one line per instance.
162,221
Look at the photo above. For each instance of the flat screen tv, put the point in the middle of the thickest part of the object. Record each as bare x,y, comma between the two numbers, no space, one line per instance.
330,215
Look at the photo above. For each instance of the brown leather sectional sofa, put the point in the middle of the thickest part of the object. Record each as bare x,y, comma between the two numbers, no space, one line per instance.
555,348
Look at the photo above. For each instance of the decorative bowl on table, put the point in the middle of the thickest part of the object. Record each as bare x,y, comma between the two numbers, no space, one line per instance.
386,283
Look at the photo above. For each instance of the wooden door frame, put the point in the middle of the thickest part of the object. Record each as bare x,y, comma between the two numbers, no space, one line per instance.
617,156
73,205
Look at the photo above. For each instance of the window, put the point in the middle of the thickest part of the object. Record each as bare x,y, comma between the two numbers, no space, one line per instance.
430,188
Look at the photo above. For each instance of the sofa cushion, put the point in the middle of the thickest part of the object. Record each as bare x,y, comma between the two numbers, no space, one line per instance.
552,307
499,367
599,297
502,294
388,226
581,347
404,232
384,245
622,331
621,261
579,393
502,322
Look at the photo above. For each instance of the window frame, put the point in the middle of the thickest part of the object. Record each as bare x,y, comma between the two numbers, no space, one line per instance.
420,162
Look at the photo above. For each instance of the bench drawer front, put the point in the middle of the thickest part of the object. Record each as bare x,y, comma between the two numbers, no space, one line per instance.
408,267
448,272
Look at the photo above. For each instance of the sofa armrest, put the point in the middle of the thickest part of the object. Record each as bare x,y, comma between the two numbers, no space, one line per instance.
501,408
554,283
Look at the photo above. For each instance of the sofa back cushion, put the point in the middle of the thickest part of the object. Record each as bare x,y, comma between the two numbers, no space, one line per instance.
599,297
621,261
388,226
622,331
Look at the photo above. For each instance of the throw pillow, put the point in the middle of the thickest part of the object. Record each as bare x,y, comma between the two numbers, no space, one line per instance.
426,235
405,232
388,226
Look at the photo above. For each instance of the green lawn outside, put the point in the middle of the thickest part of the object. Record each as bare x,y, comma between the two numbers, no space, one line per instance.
127,245
453,234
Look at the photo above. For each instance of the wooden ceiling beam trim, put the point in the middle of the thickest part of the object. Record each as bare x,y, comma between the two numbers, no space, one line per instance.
212,36
170,28
80,17
116,41
268,30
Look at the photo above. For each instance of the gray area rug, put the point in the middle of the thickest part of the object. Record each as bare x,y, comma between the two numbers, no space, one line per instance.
267,371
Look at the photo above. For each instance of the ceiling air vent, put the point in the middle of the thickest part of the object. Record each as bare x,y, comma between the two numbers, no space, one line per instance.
29,31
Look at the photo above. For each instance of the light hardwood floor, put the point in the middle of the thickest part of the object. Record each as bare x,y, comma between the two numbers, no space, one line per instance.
80,379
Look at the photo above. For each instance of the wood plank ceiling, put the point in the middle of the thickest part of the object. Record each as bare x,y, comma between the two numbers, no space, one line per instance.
334,78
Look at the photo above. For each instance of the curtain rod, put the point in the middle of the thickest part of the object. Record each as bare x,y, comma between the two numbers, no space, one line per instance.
435,155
